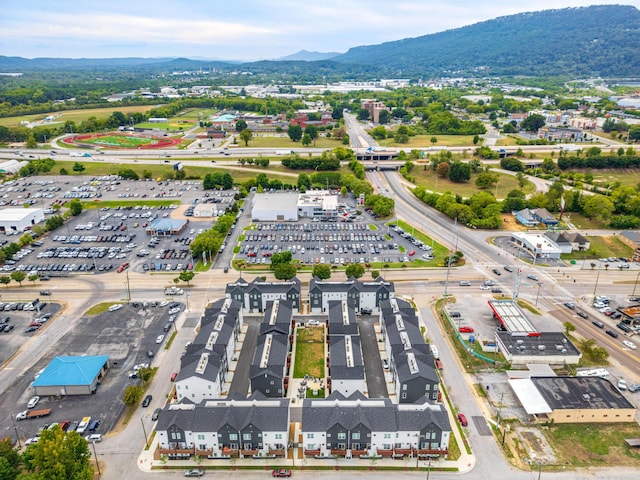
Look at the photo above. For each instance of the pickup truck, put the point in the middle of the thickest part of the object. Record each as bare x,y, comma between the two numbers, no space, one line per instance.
173,291
43,412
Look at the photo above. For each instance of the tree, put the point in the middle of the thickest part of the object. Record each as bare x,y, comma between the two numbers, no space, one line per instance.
33,277
306,140
363,114
354,270
459,172
569,328
186,276
533,123
279,258
304,182
383,117
322,271
375,274
132,395
78,167
241,125
295,132
486,180
596,206
5,279
433,140
379,133
9,460
59,455
246,135
75,207
443,169
284,271
312,131
18,276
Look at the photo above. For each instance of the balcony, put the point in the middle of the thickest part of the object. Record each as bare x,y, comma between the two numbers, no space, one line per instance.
311,453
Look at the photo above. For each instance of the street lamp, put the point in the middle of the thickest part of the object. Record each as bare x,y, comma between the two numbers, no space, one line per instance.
428,468
538,294
633,294
146,440
95,455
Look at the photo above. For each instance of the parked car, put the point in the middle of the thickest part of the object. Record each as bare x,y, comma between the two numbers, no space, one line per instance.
94,437
622,384
462,419
629,344
160,338
439,365
156,414
466,329
33,402
194,472
147,401
634,387
281,472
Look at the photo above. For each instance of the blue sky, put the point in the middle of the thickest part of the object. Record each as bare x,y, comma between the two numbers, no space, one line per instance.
241,29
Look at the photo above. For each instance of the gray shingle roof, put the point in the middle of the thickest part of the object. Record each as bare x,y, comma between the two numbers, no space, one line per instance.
340,368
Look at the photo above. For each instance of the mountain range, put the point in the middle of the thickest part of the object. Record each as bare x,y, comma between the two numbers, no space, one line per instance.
591,41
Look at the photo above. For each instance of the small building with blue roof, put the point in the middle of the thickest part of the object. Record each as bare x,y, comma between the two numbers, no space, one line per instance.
72,375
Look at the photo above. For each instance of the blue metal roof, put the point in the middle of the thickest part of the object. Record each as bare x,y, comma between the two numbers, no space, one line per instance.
71,371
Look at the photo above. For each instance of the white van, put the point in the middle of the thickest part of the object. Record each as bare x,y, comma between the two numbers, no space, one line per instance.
434,351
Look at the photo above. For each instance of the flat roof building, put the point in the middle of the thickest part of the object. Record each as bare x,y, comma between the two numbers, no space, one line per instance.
17,220
72,375
275,207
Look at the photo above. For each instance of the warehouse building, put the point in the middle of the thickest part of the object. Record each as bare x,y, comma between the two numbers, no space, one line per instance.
17,220
72,376
275,207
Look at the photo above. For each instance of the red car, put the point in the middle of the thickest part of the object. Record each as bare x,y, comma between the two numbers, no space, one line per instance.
123,267
462,419
64,425
466,329
252,254
281,472
412,253
439,364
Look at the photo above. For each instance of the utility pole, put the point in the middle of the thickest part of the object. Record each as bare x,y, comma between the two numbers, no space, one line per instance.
128,286
95,455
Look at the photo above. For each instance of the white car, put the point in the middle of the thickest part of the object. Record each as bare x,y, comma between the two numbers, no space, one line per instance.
115,307
164,303
314,323
622,384
33,402
485,287
94,437
160,339
629,344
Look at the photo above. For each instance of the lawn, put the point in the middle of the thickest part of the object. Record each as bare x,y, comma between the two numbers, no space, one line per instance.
285,142
601,247
439,251
75,115
93,204
100,308
310,354
594,444
422,141
429,180
162,171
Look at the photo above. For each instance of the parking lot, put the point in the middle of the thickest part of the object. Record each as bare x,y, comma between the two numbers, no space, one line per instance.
129,335
331,242
106,239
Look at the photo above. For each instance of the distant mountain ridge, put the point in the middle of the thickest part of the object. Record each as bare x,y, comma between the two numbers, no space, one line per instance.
597,40
307,56
600,40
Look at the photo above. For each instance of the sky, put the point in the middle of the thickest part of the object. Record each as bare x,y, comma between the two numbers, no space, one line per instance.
235,30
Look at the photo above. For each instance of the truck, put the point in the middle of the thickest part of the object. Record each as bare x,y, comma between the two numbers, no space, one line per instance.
43,412
84,424
434,351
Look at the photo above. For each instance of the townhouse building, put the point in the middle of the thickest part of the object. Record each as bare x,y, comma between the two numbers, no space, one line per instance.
362,296
255,295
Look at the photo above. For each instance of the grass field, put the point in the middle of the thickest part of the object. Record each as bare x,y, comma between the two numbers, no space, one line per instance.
594,444
163,171
89,205
421,141
285,142
429,180
74,115
309,353
601,247
629,177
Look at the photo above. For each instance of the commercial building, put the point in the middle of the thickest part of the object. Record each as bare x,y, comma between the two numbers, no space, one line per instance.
72,376
163,227
317,204
573,400
275,207
18,220
548,348
536,244
356,426
205,364
233,427
255,295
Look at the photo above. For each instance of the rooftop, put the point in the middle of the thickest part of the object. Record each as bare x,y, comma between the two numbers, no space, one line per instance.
71,371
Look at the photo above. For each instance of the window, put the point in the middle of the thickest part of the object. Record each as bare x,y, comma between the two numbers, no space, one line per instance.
435,396
387,436
200,437
404,395
355,436
427,387
202,446
404,387
278,436
233,436
310,436
342,436
271,382
246,436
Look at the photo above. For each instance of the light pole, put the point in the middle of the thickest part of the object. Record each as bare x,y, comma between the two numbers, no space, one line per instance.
538,295
146,440
95,455
15,429
634,286
428,468
596,285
